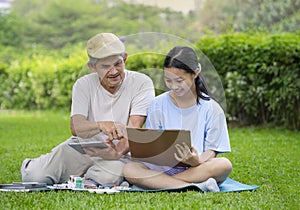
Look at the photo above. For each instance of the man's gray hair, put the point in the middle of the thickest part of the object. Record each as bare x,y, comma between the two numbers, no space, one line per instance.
94,61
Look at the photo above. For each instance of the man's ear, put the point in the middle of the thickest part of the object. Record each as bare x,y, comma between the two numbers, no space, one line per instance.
91,66
125,57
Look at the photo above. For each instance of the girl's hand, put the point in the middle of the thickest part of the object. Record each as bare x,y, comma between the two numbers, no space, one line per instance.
187,155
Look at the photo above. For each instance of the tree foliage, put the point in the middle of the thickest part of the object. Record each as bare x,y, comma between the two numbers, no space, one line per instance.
55,24
244,15
10,30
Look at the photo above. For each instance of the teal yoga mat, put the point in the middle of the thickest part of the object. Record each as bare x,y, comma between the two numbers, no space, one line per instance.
229,185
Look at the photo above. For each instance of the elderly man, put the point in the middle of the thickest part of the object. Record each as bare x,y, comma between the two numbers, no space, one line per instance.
103,104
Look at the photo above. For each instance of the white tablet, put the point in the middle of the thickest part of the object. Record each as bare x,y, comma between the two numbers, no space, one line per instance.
79,146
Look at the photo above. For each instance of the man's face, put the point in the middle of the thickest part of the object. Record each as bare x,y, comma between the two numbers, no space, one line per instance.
111,71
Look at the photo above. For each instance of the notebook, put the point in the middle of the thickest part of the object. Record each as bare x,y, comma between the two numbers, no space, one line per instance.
156,146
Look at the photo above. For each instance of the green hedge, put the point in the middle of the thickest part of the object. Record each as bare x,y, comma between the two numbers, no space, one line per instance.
260,75
40,81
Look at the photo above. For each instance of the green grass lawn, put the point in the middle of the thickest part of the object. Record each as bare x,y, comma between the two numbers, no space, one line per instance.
260,156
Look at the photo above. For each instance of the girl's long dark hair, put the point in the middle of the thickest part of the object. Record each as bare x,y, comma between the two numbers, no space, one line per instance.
185,58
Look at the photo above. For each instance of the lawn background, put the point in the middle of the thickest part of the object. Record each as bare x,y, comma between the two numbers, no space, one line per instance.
260,156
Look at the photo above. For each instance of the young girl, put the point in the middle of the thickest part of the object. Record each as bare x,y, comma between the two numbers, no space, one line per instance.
186,106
